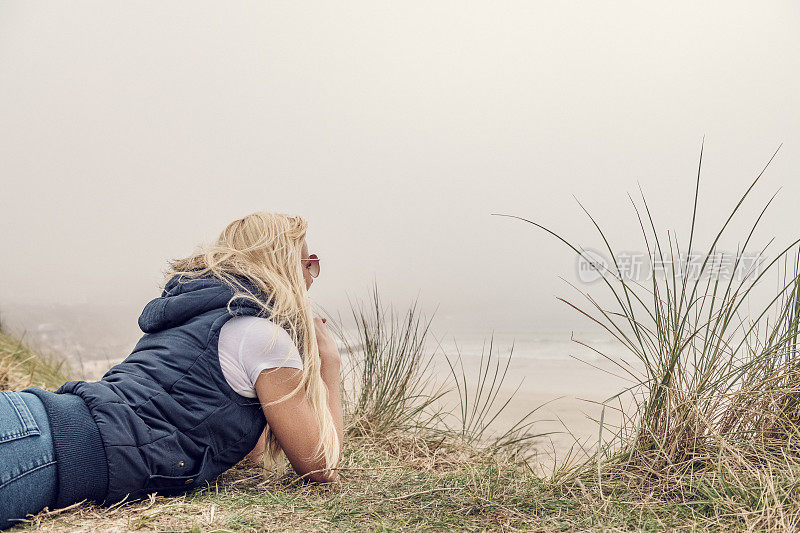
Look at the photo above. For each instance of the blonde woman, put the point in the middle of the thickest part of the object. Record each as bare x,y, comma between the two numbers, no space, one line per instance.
232,364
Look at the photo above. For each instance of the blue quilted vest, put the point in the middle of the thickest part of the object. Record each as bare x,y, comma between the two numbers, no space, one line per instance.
168,419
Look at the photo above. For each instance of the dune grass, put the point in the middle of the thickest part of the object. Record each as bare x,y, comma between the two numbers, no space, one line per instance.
716,418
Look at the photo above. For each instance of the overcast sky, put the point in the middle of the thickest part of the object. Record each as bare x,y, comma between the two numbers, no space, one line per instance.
130,132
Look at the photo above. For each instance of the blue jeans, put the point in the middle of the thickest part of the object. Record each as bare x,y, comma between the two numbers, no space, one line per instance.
28,478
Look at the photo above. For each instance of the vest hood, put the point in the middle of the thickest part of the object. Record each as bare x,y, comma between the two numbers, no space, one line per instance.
184,299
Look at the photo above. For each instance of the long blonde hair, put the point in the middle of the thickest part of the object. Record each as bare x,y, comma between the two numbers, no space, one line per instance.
266,249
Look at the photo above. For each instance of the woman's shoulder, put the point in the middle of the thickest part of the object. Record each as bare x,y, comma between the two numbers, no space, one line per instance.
253,344
254,329
252,321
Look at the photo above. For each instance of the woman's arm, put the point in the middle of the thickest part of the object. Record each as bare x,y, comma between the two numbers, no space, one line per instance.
332,380
292,420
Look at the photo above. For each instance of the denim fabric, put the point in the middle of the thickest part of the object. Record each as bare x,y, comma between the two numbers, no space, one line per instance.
28,478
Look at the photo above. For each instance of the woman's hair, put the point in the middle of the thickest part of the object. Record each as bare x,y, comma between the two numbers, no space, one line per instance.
266,249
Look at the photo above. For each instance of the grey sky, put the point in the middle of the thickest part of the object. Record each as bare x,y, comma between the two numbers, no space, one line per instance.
130,132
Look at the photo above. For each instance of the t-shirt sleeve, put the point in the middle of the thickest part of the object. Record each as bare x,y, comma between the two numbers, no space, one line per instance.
258,351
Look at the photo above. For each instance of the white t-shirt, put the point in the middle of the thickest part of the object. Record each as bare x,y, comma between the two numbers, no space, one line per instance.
246,348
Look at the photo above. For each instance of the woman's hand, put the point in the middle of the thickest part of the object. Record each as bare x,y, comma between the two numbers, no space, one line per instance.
328,351
330,371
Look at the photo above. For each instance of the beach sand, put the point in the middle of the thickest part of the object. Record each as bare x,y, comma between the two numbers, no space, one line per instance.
568,396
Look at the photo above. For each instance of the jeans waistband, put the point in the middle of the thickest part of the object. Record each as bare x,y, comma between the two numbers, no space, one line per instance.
80,455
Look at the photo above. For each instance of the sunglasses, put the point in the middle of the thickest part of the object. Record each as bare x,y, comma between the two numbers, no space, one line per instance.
312,264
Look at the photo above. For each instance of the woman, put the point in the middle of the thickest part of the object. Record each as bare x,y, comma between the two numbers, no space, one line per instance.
217,376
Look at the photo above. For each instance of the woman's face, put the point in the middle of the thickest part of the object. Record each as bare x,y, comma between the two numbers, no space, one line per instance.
304,259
